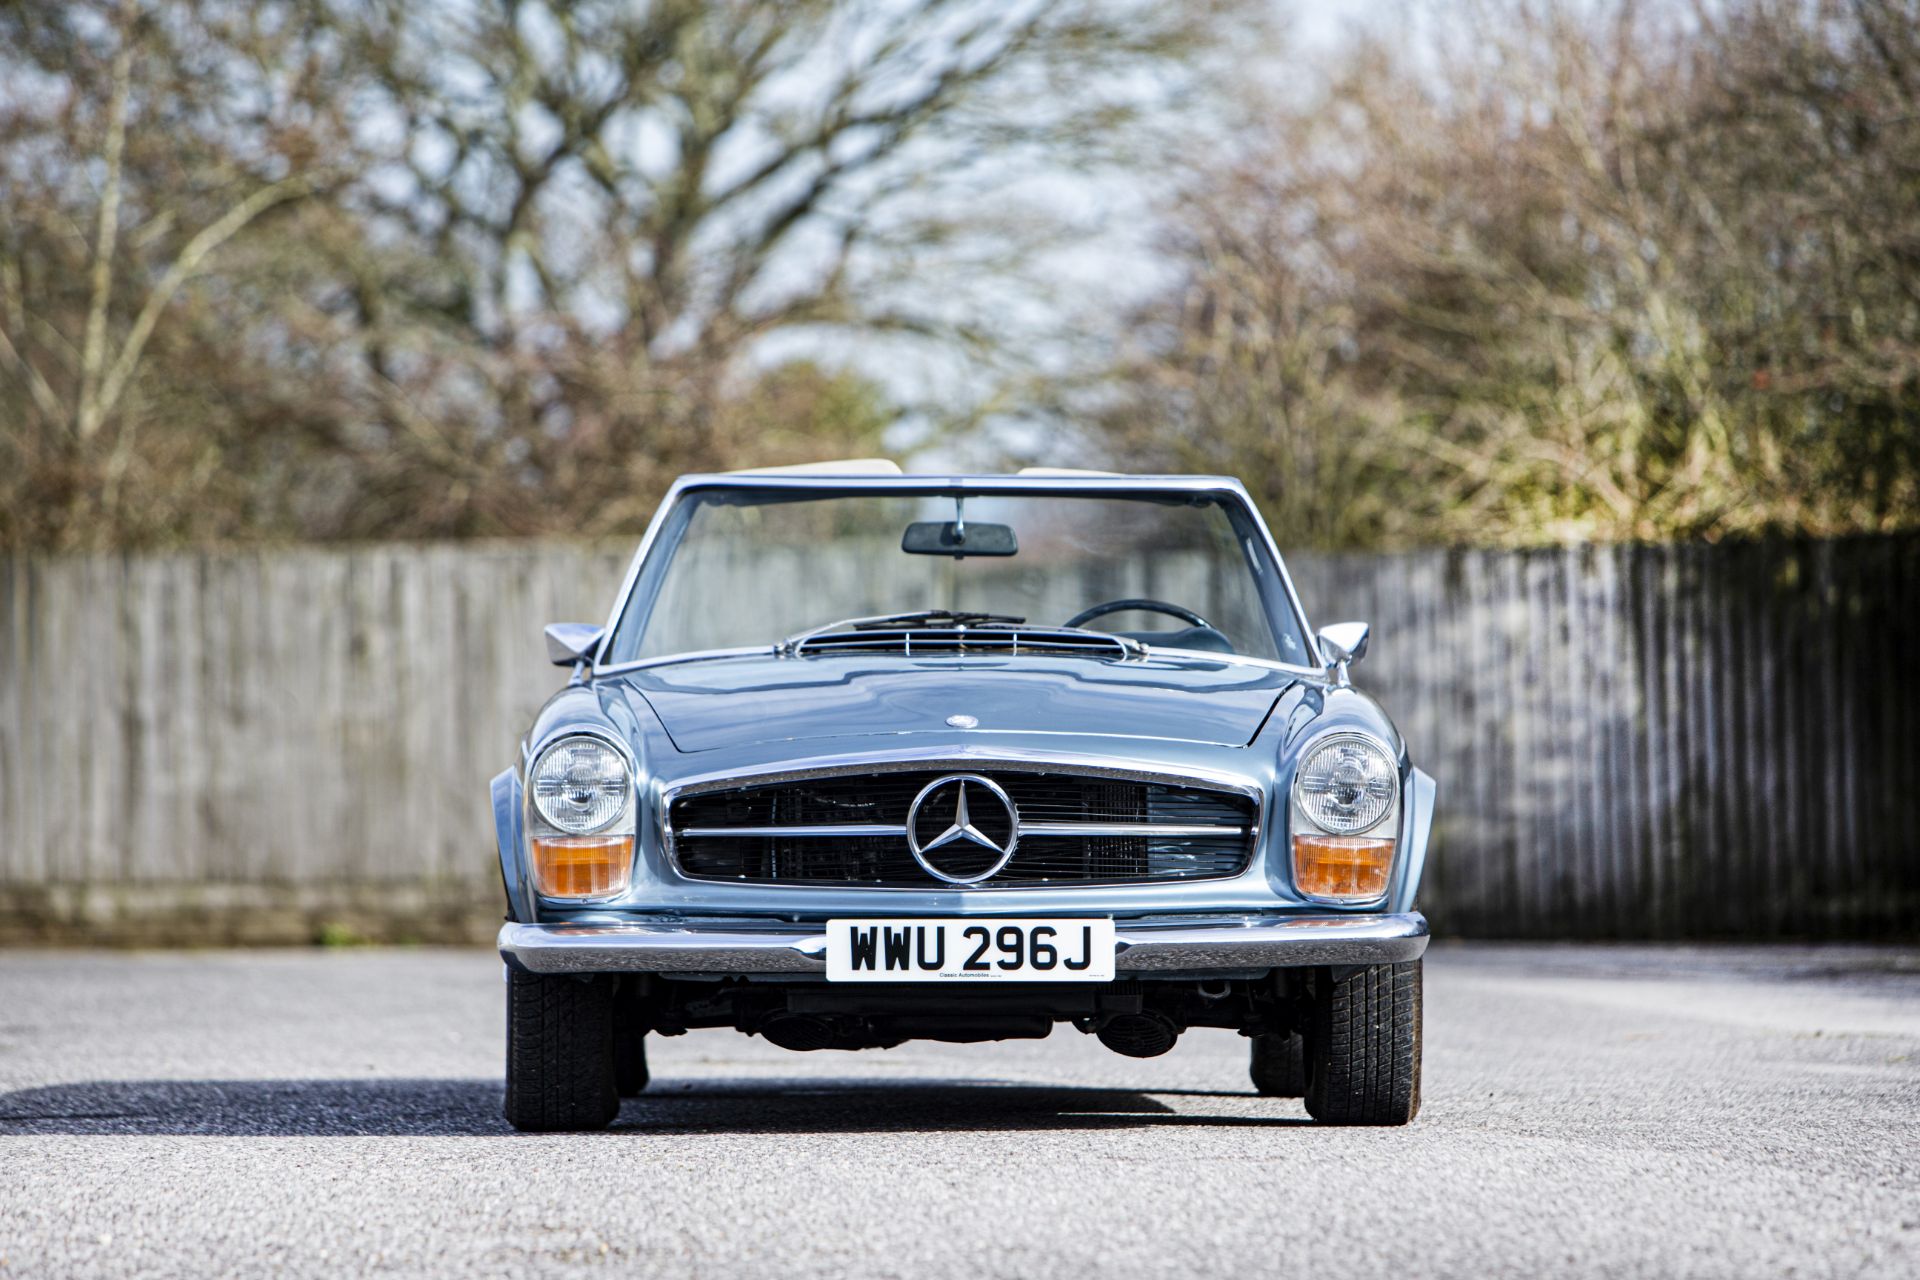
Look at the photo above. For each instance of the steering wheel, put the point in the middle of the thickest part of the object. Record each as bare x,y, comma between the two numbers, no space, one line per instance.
1179,611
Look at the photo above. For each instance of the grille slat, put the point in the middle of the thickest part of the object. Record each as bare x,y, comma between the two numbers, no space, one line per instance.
1042,858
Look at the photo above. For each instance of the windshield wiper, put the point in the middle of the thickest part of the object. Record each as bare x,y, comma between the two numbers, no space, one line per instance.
958,618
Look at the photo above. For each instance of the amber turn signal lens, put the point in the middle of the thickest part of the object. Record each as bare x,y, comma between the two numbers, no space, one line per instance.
581,866
1341,866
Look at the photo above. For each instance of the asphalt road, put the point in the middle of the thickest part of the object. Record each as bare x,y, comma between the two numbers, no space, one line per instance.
1587,1111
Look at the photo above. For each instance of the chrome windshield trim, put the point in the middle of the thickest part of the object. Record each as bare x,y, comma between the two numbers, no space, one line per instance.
693,655
938,484
661,515
1307,635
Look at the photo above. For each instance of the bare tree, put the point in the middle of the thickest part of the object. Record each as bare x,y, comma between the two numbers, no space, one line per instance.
102,226
386,267
1618,272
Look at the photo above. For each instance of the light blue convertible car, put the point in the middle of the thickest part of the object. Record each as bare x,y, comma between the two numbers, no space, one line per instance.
862,757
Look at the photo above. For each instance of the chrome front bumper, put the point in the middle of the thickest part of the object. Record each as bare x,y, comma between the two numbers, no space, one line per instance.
691,947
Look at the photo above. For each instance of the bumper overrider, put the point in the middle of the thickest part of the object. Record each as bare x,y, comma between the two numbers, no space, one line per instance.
1185,946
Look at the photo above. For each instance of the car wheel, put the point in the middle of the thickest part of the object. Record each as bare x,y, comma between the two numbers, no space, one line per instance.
1279,1067
560,1068
1363,1045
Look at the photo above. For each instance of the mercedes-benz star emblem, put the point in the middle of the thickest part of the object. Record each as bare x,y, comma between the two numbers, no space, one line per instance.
962,828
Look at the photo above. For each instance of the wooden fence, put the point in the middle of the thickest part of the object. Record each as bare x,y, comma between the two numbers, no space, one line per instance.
1631,742
1656,742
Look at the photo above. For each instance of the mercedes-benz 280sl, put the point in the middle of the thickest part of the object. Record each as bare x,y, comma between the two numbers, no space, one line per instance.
862,757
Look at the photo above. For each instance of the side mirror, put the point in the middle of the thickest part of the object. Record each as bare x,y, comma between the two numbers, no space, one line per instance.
571,642
1343,644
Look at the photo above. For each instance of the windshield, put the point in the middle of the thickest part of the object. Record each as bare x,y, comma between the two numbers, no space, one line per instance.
750,567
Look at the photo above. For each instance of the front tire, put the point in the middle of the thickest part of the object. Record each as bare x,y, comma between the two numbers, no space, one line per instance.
560,1063
1363,1045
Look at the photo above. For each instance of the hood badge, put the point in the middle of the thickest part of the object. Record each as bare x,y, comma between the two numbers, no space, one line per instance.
963,722
962,828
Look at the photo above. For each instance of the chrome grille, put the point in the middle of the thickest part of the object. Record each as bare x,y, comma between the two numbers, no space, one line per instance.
850,829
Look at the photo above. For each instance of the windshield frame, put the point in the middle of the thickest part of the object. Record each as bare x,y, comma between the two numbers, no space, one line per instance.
645,574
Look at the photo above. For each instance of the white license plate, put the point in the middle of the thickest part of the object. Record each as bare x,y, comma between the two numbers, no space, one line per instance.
940,950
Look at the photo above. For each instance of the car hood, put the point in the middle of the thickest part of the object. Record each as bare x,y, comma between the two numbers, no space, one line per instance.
716,703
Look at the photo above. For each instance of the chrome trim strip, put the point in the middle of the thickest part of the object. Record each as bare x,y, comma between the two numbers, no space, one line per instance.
1275,942
693,655
1124,829
1307,635
845,830
962,759
851,829
686,946
661,514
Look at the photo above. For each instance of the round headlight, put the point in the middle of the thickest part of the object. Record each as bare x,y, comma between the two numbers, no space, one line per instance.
580,785
1345,784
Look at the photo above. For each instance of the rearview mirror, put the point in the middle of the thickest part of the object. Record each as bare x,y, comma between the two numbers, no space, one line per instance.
953,538
571,642
1342,644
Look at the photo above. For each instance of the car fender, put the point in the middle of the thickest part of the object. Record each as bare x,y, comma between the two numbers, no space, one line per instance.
507,833
1421,791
